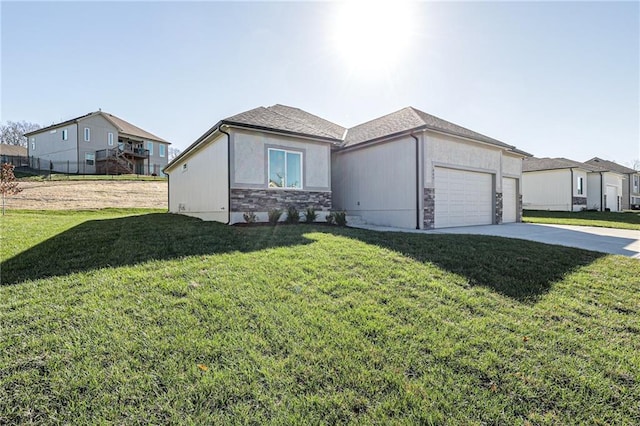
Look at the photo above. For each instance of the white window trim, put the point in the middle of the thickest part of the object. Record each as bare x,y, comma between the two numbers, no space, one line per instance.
285,169
65,134
87,134
89,157
150,147
110,139
185,167
161,150
33,145
580,186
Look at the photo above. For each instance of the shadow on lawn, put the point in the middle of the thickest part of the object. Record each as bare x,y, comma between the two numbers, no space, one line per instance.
519,269
522,270
131,240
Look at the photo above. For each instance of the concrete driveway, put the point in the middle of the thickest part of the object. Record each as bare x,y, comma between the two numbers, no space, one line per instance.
605,240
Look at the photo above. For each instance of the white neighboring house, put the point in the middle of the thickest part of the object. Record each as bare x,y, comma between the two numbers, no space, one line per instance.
97,143
630,182
407,169
561,184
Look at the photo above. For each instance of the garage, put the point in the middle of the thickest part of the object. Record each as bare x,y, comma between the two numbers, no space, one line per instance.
509,200
462,198
612,198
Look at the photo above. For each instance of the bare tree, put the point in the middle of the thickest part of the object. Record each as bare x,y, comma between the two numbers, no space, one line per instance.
635,164
8,183
173,153
12,133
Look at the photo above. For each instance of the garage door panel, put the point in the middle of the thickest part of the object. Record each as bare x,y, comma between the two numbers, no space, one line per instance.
462,198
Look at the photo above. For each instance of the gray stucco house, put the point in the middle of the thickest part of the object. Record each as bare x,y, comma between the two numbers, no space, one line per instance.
630,182
97,143
407,169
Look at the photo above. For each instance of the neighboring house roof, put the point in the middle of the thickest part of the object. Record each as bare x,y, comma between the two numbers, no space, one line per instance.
538,164
610,165
13,150
288,119
408,119
123,126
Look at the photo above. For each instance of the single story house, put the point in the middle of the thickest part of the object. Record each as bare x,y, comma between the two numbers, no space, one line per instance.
97,143
561,184
630,182
13,154
407,169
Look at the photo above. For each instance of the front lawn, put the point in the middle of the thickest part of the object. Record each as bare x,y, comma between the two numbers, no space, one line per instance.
123,317
621,220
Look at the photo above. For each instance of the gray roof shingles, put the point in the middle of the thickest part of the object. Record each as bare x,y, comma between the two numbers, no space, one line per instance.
610,165
538,164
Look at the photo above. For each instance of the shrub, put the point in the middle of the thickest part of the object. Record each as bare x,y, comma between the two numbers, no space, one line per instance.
274,216
250,217
293,215
310,215
329,218
340,218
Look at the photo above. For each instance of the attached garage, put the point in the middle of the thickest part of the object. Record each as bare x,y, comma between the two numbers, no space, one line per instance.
612,198
462,198
509,200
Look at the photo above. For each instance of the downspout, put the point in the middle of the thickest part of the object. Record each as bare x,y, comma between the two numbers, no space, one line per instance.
417,180
228,173
601,192
571,198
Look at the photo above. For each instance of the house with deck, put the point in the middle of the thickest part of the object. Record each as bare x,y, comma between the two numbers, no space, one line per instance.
97,143
407,169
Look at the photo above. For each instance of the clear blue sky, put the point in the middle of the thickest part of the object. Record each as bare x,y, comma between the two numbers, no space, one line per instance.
554,79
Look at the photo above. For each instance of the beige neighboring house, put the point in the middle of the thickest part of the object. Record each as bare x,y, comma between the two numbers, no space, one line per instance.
97,143
407,169
630,182
14,154
561,184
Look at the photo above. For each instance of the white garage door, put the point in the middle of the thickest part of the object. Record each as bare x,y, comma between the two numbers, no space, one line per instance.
509,200
462,198
612,198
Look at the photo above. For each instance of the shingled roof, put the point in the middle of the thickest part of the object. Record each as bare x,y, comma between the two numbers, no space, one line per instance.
538,164
610,165
288,119
408,119
123,126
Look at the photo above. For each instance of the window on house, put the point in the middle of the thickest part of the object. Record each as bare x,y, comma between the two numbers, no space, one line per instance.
87,134
184,167
580,185
150,147
636,184
89,159
161,150
33,144
285,169
110,139
65,134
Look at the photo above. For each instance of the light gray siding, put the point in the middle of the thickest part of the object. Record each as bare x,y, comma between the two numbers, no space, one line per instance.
49,146
99,129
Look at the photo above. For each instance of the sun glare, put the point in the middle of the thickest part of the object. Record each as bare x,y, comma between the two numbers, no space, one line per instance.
370,35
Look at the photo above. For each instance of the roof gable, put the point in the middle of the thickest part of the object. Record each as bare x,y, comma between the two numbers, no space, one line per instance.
410,118
539,164
611,166
288,119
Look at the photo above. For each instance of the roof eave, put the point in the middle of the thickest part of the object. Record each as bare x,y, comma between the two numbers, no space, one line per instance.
281,131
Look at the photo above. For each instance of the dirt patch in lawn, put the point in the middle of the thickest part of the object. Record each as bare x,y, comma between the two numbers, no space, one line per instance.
74,195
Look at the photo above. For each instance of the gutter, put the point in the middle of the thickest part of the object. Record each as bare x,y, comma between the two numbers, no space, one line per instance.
571,198
228,173
601,192
417,180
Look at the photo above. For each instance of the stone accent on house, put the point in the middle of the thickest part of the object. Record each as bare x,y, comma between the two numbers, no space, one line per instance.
254,200
498,218
519,209
429,208
579,201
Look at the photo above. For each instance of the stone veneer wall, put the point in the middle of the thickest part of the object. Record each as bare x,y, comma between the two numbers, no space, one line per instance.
579,201
498,218
429,208
263,200
519,209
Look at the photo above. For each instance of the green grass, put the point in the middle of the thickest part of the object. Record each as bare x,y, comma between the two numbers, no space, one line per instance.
123,317
620,220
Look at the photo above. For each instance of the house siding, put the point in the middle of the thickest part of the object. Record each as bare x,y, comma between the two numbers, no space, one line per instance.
99,131
548,190
51,148
201,190
377,182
